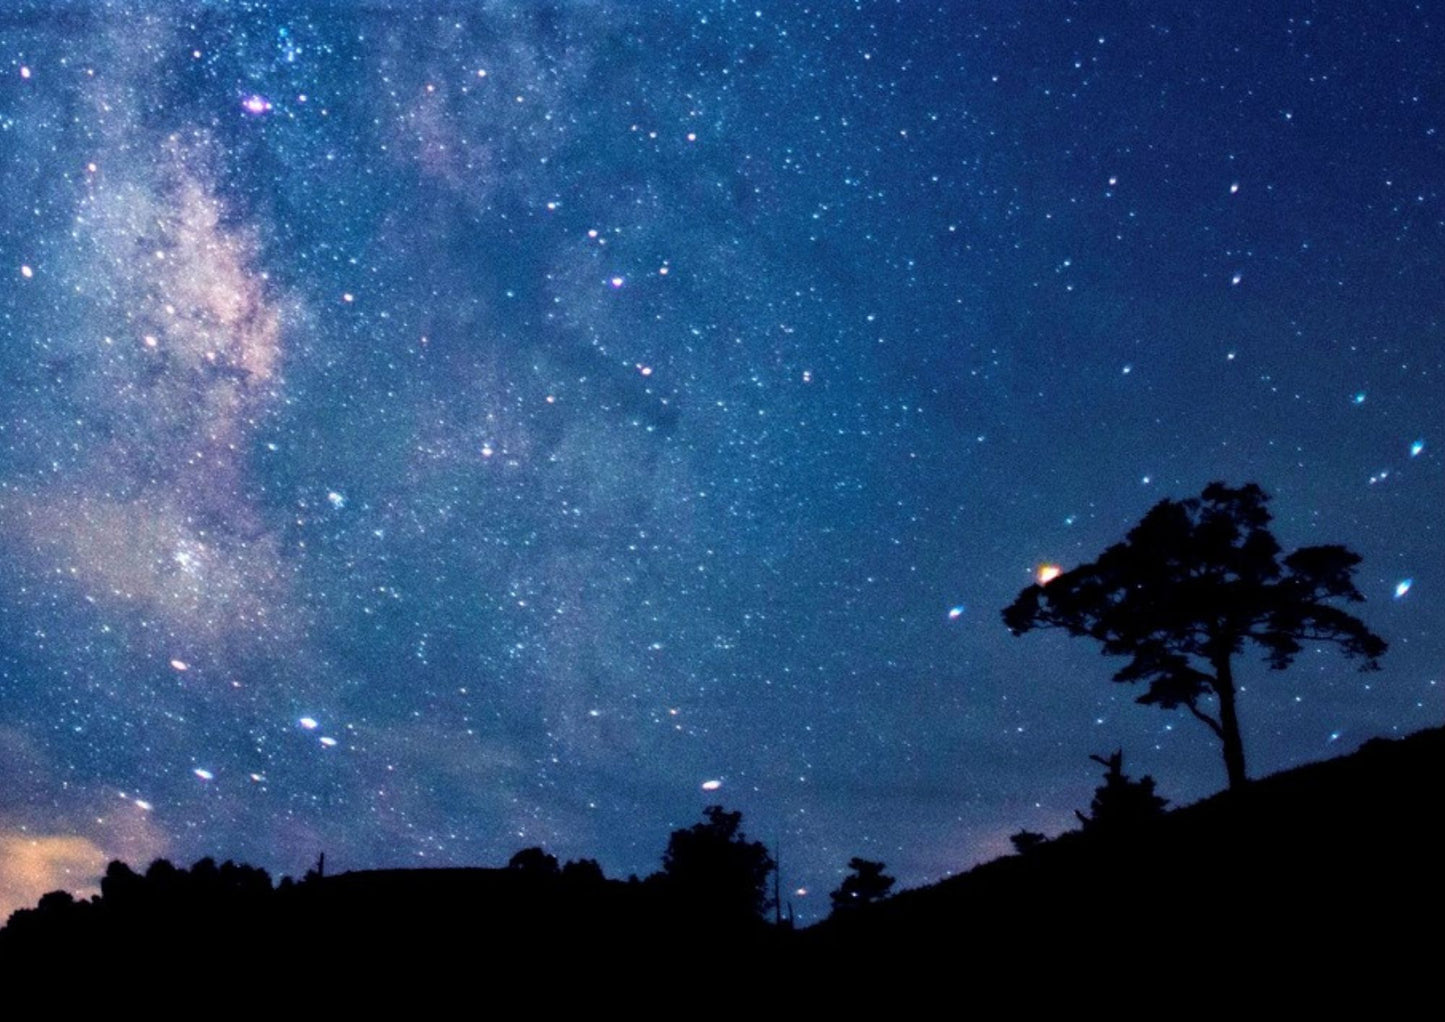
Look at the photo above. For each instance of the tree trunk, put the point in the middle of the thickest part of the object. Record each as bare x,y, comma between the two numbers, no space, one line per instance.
1229,724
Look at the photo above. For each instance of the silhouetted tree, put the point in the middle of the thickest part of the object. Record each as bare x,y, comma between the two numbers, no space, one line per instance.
713,870
121,885
245,881
165,883
316,873
534,861
1120,803
52,925
582,872
1026,841
1191,584
866,883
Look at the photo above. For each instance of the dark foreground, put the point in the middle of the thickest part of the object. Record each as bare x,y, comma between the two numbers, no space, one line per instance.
1322,882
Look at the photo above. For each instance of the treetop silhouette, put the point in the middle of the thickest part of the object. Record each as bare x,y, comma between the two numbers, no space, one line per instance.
1188,587
865,883
714,869
1120,803
534,861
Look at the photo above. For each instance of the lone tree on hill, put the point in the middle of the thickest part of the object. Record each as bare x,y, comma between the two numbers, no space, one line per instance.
1189,585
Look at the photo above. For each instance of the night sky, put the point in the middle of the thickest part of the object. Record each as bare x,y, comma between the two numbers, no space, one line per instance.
432,430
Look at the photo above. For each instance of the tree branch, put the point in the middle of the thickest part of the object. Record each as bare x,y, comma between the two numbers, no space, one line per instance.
1212,724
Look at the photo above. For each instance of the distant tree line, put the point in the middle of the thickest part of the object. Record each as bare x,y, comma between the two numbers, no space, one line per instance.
715,885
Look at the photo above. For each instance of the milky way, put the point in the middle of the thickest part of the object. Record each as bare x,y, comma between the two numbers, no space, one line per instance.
432,430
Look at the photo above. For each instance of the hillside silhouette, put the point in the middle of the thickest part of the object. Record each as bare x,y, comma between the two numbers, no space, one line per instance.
403,925
1336,864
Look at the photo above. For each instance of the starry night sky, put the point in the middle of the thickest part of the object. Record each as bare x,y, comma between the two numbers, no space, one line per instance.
431,430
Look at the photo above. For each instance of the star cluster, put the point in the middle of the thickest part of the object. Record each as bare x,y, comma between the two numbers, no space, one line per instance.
430,430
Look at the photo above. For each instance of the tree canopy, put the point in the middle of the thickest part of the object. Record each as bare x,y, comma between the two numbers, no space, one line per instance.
1188,588
535,861
1121,804
714,869
865,883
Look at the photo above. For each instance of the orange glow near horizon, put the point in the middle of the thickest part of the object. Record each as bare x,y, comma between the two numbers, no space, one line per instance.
1047,573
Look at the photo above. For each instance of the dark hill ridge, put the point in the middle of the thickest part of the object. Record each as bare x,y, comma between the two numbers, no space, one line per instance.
1334,869
1337,860
441,910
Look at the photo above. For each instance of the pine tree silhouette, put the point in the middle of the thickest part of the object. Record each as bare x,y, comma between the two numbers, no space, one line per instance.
1120,803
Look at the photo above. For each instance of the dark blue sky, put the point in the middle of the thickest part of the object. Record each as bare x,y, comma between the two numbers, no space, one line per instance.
431,431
